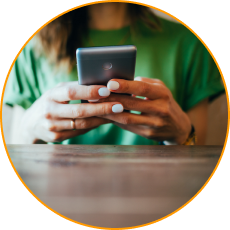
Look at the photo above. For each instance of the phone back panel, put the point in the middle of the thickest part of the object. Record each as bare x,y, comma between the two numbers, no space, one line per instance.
97,65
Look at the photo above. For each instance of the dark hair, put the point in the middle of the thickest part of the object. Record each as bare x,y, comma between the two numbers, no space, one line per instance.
59,40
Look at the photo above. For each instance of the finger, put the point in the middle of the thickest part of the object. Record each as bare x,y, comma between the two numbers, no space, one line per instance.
72,91
138,129
63,135
135,119
149,80
144,131
136,104
83,110
66,124
139,88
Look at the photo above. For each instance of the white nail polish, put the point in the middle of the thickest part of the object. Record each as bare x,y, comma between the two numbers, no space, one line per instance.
93,100
104,92
118,108
137,78
113,85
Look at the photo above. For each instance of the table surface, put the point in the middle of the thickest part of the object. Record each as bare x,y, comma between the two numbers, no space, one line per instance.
114,186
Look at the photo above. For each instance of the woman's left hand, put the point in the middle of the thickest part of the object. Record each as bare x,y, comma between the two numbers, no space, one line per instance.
161,117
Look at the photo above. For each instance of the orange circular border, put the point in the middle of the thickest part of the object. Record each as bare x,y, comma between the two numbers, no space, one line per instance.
92,3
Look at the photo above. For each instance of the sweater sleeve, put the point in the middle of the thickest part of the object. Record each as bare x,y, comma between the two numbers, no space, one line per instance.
21,87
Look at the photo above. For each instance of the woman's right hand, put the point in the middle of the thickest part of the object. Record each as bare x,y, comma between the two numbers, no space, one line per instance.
50,117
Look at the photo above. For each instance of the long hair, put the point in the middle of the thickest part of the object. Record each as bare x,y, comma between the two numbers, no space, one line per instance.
60,38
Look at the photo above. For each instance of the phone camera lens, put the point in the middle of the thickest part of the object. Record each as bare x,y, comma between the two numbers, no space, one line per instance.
107,66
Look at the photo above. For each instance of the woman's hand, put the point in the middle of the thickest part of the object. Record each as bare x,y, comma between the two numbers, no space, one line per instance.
161,117
50,117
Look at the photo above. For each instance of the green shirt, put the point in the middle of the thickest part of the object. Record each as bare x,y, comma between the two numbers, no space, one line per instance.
174,55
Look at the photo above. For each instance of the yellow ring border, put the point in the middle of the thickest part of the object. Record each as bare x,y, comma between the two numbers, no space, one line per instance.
92,3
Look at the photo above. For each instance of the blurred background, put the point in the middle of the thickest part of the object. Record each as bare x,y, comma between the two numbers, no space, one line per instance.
217,115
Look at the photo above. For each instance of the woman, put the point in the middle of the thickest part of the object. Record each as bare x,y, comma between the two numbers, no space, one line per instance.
177,79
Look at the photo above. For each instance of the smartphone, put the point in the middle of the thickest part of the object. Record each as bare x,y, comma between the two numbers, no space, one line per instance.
98,65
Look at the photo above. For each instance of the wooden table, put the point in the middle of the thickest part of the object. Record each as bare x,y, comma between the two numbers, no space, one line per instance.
114,186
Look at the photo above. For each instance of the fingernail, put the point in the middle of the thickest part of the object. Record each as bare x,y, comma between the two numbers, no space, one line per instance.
137,78
118,108
104,92
113,85
93,100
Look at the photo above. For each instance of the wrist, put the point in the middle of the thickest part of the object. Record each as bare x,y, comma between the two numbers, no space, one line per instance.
183,138
190,140
185,131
